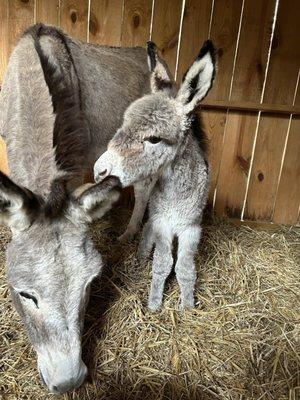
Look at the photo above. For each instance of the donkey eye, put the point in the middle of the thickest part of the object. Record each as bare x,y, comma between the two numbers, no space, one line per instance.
29,296
153,139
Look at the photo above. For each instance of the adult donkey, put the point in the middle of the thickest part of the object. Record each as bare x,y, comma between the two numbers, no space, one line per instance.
61,102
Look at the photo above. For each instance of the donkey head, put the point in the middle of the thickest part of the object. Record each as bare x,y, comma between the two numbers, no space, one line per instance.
156,126
51,263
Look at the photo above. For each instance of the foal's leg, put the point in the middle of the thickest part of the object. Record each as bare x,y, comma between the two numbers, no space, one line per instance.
185,266
142,191
147,241
161,268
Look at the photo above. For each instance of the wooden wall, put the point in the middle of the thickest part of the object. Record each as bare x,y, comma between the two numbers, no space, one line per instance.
252,115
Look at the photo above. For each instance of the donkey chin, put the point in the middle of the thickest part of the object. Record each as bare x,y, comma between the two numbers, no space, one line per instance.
61,372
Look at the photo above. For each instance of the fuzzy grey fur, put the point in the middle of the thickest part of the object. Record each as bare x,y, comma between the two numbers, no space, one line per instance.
157,148
54,260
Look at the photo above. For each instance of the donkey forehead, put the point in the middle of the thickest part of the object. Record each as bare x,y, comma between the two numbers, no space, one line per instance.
51,253
152,113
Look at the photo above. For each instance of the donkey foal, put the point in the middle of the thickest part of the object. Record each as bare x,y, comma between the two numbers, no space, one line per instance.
161,145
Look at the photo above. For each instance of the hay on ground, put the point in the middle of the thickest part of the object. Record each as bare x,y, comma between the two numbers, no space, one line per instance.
240,342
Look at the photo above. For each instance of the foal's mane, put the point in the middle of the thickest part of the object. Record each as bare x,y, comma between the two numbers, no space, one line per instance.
71,134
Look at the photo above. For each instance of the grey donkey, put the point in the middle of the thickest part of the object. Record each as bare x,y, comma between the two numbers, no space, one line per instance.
60,103
160,148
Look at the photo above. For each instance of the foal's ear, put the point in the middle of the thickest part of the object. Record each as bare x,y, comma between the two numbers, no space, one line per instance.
92,201
160,79
199,78
18,206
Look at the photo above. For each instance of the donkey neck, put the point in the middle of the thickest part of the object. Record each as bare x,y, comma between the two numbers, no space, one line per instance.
183,167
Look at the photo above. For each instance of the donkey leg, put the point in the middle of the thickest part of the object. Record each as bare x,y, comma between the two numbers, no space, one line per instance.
147,242
185,266
142,192
161,268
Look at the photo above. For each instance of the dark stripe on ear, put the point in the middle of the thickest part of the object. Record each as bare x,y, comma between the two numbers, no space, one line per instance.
208,47
151,50
193,86
161,84
31,201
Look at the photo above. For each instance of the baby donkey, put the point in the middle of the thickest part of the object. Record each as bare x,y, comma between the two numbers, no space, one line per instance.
160,149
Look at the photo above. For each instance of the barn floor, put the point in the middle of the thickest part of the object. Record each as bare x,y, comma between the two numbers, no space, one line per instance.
241,342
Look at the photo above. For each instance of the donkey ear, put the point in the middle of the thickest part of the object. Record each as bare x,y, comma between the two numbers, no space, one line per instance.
160,79
199,78
92,201
18,206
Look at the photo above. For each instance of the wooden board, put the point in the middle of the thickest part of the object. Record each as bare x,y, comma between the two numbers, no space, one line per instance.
224,33
74,18
106,22
47,11
20,17
235,163
4,44
271,137
195,30
252,56
136,22
285,55
166,25
3,157
247,84
280,88
214,122
288,195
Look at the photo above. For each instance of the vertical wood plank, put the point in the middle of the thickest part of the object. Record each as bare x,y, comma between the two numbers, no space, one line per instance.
224,33
247,85
4,38
285,55
74,18
253,49
214,122
3,157
136,22
165,32
235,163
288,195
280,88
195,29
106,22
47,11
20,17
266,167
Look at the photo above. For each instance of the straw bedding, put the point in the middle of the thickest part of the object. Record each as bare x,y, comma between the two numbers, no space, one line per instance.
241,341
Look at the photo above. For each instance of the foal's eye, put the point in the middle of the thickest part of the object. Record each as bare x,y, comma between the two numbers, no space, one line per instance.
29,296
153,139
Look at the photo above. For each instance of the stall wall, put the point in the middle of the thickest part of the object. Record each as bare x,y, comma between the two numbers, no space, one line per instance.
252,115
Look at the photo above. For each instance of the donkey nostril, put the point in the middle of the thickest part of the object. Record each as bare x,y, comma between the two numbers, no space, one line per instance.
55,388
103,172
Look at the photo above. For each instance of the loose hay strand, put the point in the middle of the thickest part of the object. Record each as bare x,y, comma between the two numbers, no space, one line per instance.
240,342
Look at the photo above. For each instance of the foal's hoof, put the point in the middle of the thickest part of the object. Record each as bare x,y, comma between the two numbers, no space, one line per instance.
154,305
187,305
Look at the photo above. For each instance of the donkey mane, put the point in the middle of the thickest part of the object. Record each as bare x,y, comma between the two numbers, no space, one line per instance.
199,133
71,134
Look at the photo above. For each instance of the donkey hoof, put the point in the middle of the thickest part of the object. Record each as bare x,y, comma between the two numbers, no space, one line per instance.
187,305
154,305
